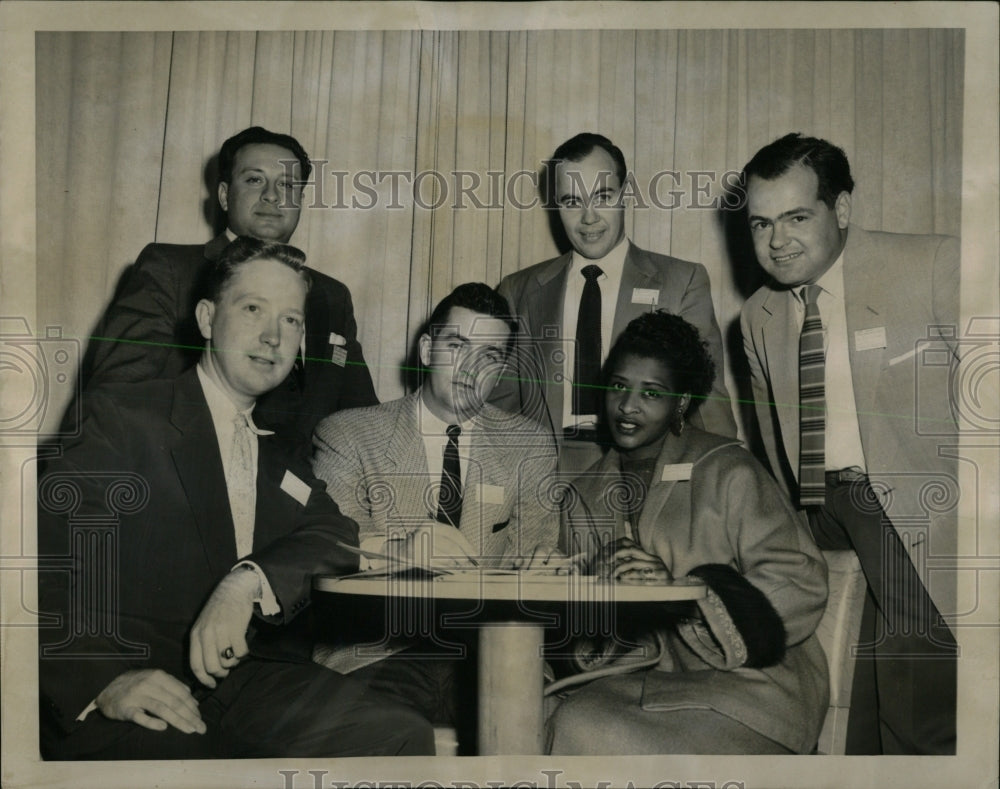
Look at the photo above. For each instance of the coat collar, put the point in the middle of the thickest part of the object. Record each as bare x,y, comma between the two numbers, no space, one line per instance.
213,249
690,447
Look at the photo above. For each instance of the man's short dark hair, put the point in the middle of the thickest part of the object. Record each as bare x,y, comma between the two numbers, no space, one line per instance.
245,249
578,148
824,158
477,297
258,135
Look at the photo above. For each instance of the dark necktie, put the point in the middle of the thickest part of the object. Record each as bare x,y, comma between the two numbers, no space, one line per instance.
587,376
812,404
450,497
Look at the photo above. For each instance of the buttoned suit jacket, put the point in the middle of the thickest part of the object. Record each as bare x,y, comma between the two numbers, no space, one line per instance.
149,331
724,510
147,466
908,286
375,466
534,382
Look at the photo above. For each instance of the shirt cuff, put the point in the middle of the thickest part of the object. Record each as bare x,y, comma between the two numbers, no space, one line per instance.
264,598
90,708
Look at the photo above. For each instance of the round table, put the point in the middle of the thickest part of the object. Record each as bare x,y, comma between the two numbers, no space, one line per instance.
510,615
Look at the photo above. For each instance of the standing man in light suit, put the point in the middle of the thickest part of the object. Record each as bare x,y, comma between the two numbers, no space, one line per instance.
835,342
573,307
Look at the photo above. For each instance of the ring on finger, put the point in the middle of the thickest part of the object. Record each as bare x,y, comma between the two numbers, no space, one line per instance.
228,653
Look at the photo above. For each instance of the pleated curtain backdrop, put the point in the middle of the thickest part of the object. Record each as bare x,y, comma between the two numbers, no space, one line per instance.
128,123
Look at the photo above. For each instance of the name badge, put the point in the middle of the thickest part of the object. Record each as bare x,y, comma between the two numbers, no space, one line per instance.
491,494
650,296
296,488
676,472
869,339
339,356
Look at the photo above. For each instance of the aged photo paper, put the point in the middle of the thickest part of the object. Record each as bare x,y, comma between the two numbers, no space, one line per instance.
428,124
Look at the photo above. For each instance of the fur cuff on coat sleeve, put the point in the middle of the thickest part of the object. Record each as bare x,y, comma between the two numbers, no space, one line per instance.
739,626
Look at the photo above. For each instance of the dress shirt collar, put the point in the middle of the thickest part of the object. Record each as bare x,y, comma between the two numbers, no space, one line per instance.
831,281
222,408
429,424
613,261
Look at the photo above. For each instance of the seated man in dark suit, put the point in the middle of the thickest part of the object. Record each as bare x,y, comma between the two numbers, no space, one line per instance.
182,541
149,331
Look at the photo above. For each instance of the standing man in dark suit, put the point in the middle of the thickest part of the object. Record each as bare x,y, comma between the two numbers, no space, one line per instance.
149,331
835,342
575,306
186,539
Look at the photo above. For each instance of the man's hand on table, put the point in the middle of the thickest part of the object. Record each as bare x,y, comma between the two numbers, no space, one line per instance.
547,558
434,544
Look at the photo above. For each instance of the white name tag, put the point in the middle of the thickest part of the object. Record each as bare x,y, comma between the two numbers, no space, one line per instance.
296,488
649,296
676,472
869,339
491,494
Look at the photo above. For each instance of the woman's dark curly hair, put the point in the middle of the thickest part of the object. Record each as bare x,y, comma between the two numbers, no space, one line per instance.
675,343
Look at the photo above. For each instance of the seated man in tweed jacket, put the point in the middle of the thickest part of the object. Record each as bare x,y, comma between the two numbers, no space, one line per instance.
443,464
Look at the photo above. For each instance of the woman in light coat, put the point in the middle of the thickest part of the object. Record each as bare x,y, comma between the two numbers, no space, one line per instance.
741,672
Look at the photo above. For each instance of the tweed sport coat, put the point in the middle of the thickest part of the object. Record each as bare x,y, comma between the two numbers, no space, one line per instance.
375,466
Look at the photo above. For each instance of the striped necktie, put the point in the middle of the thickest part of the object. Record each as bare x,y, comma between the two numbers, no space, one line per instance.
812,403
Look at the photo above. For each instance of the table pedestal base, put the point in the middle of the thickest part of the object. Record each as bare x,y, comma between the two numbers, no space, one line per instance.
511,718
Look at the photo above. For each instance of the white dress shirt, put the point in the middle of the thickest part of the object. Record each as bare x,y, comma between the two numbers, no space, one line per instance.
843,447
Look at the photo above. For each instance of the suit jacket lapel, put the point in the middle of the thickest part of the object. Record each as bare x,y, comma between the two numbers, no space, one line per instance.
781,343
863,297
406,461
638,272
318,348
199,468
213,249
547,300
276,509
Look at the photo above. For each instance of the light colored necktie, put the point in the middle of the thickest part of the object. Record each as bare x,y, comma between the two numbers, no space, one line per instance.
242,484
812,403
